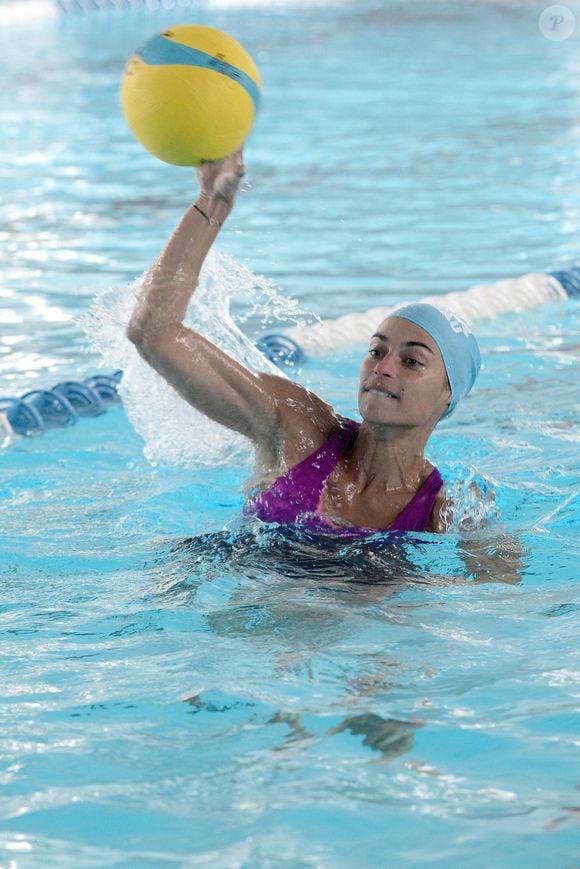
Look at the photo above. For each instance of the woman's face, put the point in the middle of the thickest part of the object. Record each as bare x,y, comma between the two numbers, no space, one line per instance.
403,379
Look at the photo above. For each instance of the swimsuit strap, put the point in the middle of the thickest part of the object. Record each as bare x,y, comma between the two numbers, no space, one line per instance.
298,490
417,514
316,469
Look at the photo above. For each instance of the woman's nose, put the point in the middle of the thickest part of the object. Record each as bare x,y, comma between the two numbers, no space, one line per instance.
386,365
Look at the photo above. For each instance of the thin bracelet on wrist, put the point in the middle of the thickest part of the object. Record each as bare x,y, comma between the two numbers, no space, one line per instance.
211,220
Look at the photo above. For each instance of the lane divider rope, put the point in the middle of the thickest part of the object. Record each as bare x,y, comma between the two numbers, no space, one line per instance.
59,407
484,300
63,405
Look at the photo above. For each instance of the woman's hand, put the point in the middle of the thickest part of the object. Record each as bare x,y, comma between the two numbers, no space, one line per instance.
219,181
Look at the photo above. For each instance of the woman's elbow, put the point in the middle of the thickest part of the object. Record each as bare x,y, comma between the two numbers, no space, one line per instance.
151,342
144,337
137,334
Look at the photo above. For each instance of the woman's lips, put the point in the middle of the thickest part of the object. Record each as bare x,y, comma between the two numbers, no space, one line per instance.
384,393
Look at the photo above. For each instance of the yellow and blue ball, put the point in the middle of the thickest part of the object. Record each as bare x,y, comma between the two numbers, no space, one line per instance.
190,95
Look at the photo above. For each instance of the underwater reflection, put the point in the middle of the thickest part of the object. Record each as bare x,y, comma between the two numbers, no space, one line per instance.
388,738
275,599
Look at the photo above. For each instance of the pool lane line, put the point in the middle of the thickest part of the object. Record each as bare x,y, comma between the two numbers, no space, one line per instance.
483,300
63,404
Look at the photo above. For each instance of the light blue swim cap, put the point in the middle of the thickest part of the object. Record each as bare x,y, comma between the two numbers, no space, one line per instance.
456,341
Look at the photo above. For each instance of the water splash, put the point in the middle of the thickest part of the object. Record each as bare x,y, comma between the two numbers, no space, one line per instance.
471,499
173,431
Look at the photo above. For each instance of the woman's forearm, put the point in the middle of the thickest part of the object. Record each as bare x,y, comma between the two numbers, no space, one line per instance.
171,280
169,283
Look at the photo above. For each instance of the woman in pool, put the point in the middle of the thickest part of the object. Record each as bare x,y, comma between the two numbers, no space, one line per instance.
313,466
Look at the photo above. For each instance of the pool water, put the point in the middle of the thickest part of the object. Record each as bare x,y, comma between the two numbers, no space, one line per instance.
183,689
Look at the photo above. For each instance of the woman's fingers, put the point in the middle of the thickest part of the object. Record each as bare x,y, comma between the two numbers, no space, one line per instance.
222,177
238,161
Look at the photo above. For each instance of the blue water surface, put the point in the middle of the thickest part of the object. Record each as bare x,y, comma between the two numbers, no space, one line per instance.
181,689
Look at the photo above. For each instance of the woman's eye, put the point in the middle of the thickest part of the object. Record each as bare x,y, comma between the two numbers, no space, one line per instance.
374,352
413,363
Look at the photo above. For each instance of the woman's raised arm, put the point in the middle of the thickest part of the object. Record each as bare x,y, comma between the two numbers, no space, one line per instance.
254,404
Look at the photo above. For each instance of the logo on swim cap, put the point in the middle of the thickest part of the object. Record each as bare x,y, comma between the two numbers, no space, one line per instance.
458,324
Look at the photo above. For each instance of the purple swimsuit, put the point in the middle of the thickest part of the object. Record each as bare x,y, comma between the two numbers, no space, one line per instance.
296,496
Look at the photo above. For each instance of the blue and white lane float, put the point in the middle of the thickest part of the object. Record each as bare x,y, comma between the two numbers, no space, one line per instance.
295,345
65,403
59,407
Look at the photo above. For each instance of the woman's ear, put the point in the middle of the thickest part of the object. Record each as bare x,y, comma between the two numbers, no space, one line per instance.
447,398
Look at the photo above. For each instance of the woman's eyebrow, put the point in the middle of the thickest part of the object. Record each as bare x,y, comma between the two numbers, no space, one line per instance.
382,337
418,344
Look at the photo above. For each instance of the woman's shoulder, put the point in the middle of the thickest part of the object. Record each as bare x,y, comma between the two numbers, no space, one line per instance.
305,420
